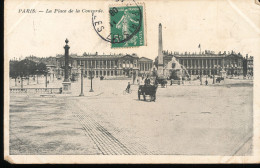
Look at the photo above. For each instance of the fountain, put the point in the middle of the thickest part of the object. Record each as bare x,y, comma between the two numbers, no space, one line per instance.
176,66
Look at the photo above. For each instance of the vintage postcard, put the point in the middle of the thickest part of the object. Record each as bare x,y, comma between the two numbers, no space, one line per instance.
131,81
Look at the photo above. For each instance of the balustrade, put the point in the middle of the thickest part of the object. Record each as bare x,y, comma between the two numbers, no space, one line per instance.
35,90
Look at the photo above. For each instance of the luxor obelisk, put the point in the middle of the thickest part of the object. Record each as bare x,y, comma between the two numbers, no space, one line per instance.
66,83
160,53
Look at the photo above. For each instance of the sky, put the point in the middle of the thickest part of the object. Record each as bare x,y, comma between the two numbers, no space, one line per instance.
217,25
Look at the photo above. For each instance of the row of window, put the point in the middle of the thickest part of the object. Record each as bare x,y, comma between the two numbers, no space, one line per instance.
107,64
211,72
112,64
105,73
209,63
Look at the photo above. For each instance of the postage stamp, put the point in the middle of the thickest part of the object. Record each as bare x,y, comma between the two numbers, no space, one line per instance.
123,25
127,22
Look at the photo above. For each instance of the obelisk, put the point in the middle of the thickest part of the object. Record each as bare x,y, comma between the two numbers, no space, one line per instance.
66,83
160,52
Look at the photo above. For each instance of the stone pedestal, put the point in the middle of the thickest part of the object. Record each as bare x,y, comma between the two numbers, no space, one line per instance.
160,71
66,87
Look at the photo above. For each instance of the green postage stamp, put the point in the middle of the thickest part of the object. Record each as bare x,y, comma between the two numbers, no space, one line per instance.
127,26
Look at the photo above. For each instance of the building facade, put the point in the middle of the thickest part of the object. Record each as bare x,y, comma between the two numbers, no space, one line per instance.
207,63
106,65
202,63
145,65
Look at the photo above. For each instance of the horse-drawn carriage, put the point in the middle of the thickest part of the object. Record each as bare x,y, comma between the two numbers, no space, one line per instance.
147,90
162,81
219,79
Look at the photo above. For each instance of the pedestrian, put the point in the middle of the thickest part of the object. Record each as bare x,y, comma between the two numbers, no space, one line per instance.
128,87
206,82
147,81
60,90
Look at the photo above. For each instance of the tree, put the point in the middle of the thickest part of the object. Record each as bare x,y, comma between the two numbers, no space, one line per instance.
23,68
26,68
13,73
41,69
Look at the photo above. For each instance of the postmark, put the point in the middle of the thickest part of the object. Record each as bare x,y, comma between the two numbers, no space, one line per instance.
257,2
125,26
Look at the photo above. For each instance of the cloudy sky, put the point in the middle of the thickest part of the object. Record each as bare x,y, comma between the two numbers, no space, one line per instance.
218,25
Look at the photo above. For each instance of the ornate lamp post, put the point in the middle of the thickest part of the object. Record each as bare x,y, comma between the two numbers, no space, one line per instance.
15,83
46,78
53,76
28,73
200,76
66,83
91,77
115,70
206,77
66,68
216,70
81,68
22,80
37,71
214,75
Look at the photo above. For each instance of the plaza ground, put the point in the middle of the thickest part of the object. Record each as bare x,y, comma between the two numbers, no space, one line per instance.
189,119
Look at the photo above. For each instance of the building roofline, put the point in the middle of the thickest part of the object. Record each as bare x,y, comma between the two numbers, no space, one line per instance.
146,58
58,56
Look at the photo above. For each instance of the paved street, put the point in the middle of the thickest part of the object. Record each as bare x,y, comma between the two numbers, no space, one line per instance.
184,120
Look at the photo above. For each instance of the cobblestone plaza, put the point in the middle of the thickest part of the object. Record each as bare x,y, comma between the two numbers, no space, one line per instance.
106,122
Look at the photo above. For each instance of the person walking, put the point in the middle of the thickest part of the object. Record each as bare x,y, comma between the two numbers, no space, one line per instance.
147,81
206,82
128,87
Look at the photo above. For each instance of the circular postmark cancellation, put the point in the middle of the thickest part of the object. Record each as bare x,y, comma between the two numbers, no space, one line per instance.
126,25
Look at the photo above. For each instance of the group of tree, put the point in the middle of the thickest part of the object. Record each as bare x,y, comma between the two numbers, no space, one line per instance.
26,68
